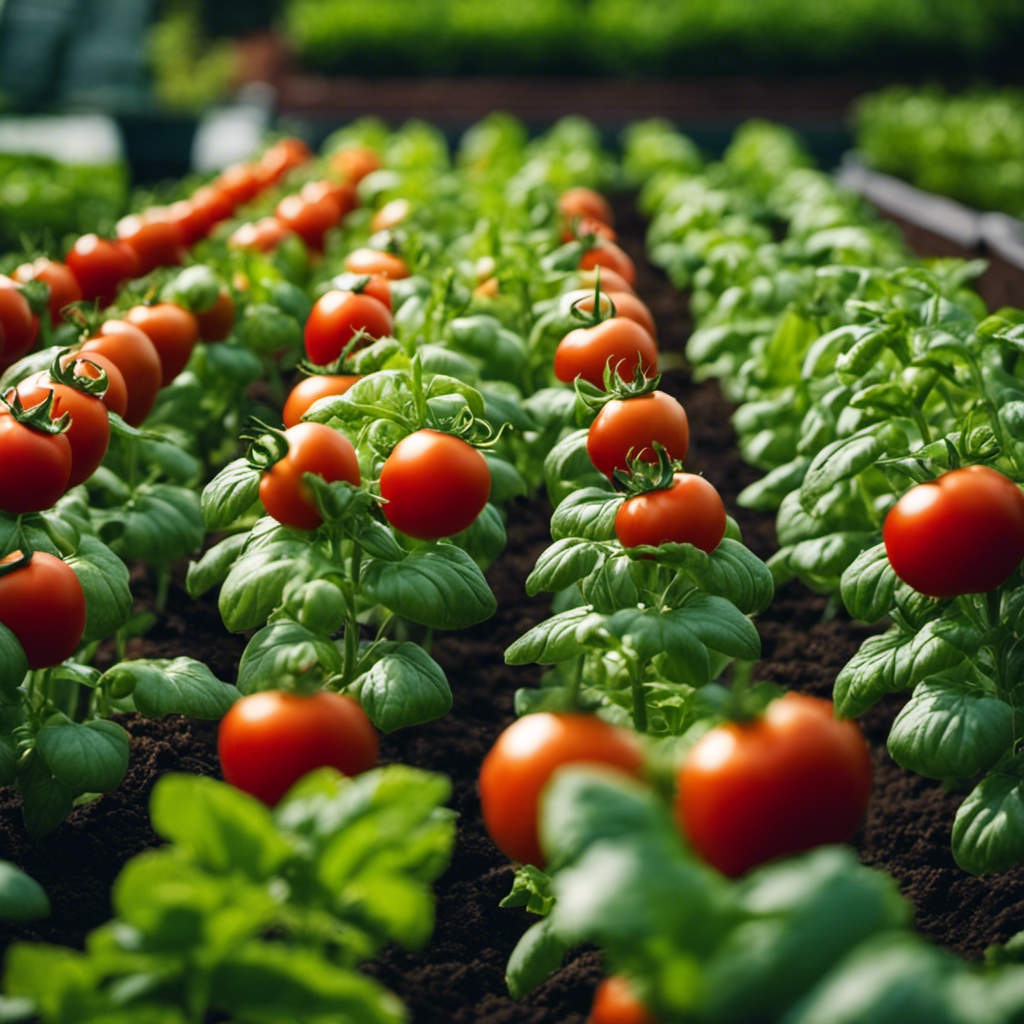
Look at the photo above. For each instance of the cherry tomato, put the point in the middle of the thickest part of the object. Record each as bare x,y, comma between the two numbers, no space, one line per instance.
43,605
586,351
131,351
217,322
17,324
355,162
608,254
688,512
283,156
960,534
390,215
343,192
337,317
312,448
239,183
792,779
262,235
210,207
310,219
190,221
610,281
154,237
115,398
614,1003
585,202
627,427
64,287
626,304
311,390
88,433
518,766
375,285
99,266
269,740
173,331
34,467
375,261
580,227
435,485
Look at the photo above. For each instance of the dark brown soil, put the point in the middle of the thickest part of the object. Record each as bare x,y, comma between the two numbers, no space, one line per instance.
459,976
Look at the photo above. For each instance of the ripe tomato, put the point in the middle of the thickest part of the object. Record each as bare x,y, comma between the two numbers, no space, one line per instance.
688,512
343,192
64,287
605,253
17,324
390,215
960,534
88,433
337,317
614,1003
525,756
375,285
311,390
268,740
262,235
579,227
792,779
210,207
309,219
435,485
585,202
627,427
355,162
375,261
239,183
312,448
154,237
610,281
586,351
115,398
34,467
99,266
217,322
283,155
172,330
43,605
190,221
131,351
626,304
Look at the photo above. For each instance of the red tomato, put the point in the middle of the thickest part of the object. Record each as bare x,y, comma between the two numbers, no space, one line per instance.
579,227
131,351
614,1003
355,162
154,238
688,512
961,534
190,221
64,287
311,390
17,324
375,285
390,215
210,207
284,155
585,202
627,427
268,740
239,183
608,254
626,304
99,266
217,322
790,780
43,605
88,433
312,448
343,192
115,398
172,330
518,766
337,317
34,467
310,219
586,351
435,485
263,235
610,281
375,261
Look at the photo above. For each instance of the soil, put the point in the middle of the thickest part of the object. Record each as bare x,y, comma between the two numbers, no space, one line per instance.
459,976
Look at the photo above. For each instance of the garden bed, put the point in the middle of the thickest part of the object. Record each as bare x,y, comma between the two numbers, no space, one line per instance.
458,977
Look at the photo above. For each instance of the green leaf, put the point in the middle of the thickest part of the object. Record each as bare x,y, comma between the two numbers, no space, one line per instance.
182,686
281,652
506,481
538,953
159,524
375,539
612,585
22,898
721,626
88,758
951,730
825,559
550,641
531,888
9,756
868,585
172,458
231,493
766,494
567,467
563,563
214,565
104,579
45,800
484,539
588,513
648,634
988,830
438,586
13,662
404,686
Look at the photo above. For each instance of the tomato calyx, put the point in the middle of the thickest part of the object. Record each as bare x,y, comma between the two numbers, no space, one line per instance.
36,293
594,398
643,476
62,371
267,445
36,417
24,555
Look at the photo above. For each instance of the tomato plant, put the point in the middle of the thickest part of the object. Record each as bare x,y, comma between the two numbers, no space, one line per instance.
524,757
435,485
337,317
42,603
793,778
63,285
961,534
628,428
17,324
311,448
173,331
131,351
311,390
587,351
268,740
35,458
614,1003
690,511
